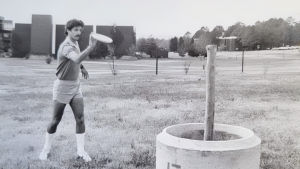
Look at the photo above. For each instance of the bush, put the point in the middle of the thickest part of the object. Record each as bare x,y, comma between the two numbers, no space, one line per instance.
202,52
48,59
181,51
100,51
151,45
118,38
132,50
193,52
27,56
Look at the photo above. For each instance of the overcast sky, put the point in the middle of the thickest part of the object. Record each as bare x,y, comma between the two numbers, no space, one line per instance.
159,18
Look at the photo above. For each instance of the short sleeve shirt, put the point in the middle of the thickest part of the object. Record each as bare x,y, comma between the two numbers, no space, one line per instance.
70,69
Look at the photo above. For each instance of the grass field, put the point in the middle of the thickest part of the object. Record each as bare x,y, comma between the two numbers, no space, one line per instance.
125,112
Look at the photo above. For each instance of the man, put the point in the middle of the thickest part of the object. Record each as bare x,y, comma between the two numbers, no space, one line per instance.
67,88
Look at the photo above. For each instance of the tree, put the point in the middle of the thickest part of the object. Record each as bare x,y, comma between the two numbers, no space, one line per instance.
181,49
162,43
181,42
192,51
289,31
118,38
203,30
232,28
100,51
273,32
142,45
198,35
151,45
134,37
187,40
296,34
217,32
171,45
132,51
174,44
291,21
202,42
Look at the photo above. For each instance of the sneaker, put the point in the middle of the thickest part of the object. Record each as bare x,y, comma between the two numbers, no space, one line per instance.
44,154
85,156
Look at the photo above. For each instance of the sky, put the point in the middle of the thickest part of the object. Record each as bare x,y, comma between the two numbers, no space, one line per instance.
162,19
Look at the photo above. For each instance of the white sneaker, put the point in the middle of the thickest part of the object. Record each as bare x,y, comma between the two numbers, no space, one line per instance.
44,154
85,156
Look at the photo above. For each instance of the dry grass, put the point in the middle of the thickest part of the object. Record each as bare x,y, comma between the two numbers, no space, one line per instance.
124,113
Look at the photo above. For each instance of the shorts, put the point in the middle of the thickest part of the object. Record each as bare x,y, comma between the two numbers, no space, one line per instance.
65,90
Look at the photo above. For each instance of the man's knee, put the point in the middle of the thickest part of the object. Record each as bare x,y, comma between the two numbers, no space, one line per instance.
55,121
80,120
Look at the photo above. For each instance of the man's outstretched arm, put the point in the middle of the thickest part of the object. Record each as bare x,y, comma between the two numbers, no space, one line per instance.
78,58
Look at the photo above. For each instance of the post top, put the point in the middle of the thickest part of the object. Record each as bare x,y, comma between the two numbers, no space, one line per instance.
209,47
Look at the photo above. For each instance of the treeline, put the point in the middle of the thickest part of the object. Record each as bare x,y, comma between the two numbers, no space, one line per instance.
268,34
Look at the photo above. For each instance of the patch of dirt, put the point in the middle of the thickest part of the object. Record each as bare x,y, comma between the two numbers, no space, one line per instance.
218,135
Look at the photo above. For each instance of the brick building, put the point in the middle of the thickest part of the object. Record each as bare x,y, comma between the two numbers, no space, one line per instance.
36,38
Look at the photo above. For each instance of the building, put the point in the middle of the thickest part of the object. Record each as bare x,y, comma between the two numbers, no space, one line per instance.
159,53
41,34
5,24
127,32
6,27
36,38
21,40
229,44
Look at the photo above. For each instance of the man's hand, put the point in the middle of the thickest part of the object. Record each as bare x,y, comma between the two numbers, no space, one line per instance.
85,74
92,42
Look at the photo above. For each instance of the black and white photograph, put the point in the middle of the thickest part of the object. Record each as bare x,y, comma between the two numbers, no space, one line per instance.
149,84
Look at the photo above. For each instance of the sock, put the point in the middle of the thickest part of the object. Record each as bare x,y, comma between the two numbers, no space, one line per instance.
49,138
80,142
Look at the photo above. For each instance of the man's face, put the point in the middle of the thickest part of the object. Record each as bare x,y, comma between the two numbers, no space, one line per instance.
75,32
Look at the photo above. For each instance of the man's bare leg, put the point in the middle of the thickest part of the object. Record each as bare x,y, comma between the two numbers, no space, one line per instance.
78,110
57,115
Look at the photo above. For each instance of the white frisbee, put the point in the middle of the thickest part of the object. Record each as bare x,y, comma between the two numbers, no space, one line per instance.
102,38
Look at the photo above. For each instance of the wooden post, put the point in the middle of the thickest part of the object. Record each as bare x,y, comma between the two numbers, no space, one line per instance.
243,62
156,62
210,92
113,63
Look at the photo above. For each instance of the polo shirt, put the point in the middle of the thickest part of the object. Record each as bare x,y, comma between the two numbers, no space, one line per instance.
67,69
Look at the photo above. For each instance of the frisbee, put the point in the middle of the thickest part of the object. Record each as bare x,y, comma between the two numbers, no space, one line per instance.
102,38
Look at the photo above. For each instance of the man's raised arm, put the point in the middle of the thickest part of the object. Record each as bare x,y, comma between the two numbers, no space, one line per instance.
78,58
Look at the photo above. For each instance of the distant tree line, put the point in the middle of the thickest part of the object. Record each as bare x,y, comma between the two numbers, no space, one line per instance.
267,34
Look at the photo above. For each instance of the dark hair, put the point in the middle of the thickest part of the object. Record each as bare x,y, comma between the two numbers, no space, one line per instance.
73,23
